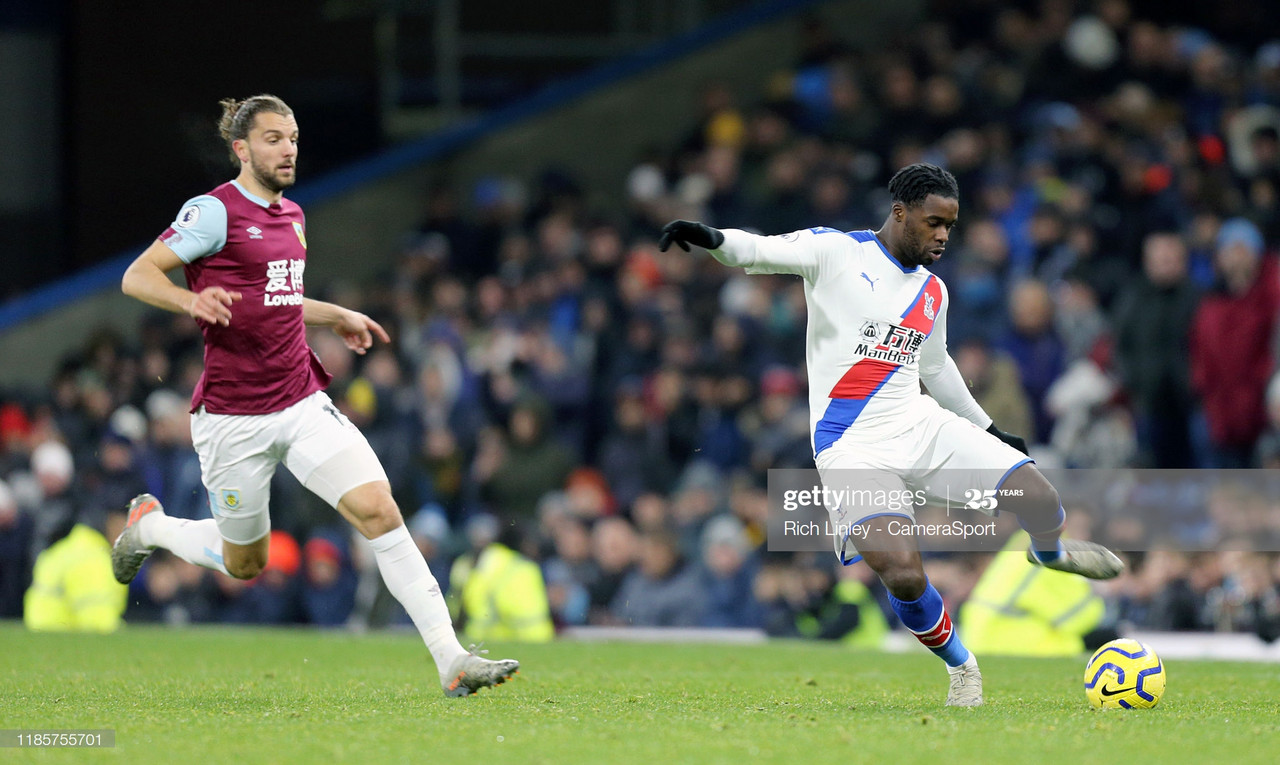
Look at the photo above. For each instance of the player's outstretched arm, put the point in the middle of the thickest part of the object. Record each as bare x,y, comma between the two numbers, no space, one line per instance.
147,279
355,329
686,232
799,252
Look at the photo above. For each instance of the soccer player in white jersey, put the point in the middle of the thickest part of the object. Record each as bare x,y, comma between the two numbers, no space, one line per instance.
876,329
261,400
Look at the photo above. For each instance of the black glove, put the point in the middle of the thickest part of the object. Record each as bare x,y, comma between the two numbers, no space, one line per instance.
1017,442
687,232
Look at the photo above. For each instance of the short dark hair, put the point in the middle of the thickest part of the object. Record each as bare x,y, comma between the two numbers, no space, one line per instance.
913,183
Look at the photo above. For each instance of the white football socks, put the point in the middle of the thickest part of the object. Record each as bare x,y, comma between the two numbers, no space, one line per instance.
410,580
195,542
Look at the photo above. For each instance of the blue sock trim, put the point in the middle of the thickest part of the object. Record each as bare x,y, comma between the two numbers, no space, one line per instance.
1000,484
1009,472
953,653
1045,556
1045,542
927,618
840,549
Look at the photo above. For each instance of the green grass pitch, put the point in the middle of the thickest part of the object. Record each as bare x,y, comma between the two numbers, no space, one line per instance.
266,696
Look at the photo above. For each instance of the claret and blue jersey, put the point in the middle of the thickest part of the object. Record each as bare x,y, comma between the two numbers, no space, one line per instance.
236,240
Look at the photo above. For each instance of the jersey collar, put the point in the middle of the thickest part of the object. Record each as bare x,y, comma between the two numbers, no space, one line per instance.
892,259
867,235
249,195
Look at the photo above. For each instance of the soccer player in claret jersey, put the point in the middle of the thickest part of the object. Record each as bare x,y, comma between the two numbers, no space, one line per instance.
867,412
261,400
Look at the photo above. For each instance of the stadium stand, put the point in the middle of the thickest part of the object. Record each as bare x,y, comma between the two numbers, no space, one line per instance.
1119,176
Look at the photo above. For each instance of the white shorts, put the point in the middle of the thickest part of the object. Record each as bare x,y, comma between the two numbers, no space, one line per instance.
943,458
239,453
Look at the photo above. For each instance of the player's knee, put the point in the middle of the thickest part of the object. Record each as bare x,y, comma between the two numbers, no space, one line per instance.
1051,499
373,510
245,561
905,582
1041,499
1031,491
244,569
386,518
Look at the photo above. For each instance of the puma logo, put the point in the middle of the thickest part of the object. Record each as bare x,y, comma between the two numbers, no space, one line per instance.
870,281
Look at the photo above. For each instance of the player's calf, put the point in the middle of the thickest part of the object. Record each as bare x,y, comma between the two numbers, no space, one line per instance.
1039,509
926,617
904,583
913,598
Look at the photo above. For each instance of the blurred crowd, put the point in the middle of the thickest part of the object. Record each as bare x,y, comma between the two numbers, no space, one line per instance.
1114,295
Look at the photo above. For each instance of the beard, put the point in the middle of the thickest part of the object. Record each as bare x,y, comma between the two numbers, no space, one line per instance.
270,178
915,251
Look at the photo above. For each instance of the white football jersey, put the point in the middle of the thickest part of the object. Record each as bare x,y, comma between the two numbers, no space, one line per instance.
874,329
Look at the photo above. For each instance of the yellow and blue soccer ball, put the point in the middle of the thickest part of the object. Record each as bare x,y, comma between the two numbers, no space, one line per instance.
1124,674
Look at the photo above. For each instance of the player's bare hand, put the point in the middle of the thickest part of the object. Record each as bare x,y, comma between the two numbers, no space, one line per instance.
213,304
358,330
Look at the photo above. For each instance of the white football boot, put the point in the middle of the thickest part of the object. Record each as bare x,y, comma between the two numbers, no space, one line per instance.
471,672
1088,559
128,554
966,684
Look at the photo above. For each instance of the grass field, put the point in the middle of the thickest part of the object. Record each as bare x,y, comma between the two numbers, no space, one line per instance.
264,696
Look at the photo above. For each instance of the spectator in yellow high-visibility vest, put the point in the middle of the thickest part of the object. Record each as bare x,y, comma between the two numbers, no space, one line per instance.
1019,609
504,597
845,609
72,587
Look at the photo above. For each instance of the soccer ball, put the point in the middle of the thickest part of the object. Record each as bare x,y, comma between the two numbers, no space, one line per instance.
1125,674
